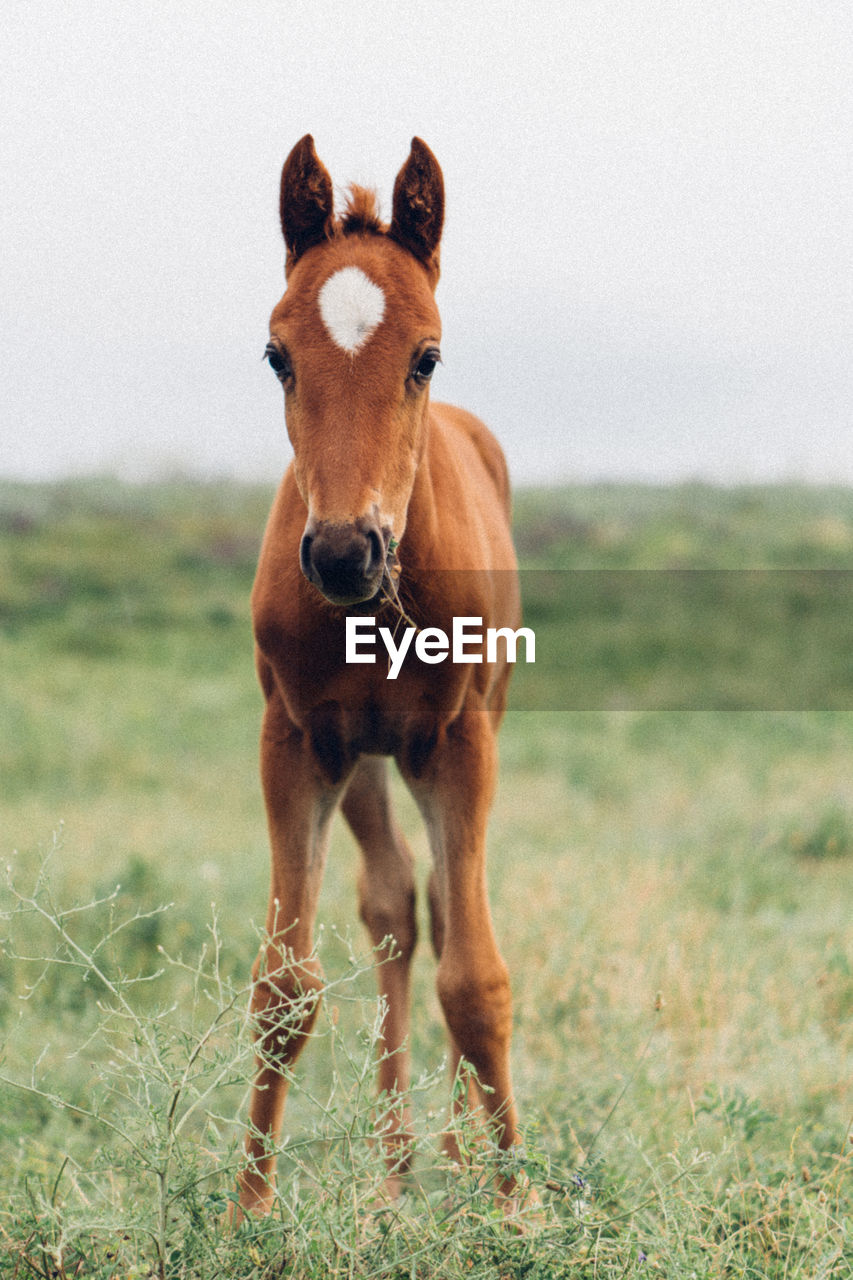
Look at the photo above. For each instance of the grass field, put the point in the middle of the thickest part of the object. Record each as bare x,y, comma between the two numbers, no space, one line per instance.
671,866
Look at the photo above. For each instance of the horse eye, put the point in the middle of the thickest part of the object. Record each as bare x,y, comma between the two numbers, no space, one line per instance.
279,362
423,370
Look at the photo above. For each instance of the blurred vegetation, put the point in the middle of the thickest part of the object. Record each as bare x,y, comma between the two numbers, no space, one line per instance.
692,597
686,526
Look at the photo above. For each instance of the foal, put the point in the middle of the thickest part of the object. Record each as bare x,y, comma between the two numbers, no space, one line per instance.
396,507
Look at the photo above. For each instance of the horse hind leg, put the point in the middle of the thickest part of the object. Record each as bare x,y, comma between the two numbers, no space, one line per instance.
466,1095
387,907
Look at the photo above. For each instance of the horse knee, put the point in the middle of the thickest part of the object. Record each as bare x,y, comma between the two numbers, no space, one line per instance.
285,1001
478,1010
436,915
390,916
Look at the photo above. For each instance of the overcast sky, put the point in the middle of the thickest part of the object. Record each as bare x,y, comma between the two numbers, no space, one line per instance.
647,254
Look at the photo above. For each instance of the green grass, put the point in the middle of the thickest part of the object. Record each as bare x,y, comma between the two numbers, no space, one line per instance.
673,891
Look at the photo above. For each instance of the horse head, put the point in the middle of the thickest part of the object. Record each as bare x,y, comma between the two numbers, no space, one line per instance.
354,342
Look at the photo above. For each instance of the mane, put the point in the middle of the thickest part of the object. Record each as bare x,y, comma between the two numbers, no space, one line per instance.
361,213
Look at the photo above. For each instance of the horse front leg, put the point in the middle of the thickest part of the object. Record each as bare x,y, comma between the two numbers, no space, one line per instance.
287,980
454,791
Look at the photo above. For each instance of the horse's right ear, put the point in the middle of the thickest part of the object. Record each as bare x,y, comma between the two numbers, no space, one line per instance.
306,200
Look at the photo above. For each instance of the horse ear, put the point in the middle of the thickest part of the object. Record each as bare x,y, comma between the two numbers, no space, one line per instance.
418,208
306,200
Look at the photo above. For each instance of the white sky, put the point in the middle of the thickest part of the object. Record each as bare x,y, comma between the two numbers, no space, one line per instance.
647,255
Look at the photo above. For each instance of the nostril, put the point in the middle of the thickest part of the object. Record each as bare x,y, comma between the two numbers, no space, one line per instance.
376,550
305,556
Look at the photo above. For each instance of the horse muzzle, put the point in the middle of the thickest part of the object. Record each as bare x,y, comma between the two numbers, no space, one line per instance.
345,562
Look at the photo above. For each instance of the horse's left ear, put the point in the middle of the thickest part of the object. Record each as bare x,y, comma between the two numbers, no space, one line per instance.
418,208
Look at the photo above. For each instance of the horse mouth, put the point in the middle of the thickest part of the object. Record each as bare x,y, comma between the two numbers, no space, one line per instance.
377,594
374,595
362,601
371,605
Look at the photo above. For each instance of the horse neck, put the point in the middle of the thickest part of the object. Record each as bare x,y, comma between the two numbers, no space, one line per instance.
420,541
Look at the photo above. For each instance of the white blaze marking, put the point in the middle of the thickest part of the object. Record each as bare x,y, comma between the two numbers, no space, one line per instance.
351,306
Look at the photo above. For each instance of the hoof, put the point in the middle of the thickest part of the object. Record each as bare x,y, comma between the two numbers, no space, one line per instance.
255,1198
